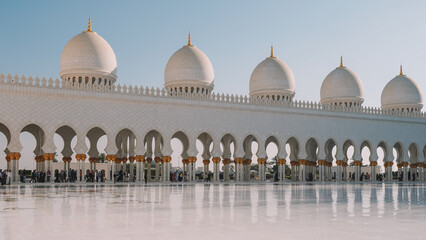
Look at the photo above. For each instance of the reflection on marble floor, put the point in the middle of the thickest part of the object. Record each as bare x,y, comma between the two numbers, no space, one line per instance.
213,211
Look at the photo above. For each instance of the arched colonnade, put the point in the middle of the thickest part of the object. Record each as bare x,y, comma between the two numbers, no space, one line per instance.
310,159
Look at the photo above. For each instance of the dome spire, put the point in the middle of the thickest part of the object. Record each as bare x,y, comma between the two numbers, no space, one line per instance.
272,52
189,40
341,62
400,71
89,26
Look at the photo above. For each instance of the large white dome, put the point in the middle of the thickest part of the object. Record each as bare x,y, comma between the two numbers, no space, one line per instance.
342,86
402,93
272,78
189,68
88,55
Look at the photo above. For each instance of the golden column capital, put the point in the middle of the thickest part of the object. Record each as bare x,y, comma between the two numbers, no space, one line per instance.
192,159
294,163
80,157
167,158
48,156
140,158
226,161
13,156
206,162
238,160
389,164
302,161
216,160
282,161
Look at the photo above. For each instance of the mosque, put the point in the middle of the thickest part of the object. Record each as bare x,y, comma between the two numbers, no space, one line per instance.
140,122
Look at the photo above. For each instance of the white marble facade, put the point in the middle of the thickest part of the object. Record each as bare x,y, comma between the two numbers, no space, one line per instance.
140,122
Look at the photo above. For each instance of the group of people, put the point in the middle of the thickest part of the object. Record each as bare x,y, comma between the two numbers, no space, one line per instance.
5,177
62,176
36,176
92,176
123,176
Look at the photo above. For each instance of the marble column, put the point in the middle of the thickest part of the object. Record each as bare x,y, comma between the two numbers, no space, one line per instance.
226,163
192,160
261,168
246,176
238,169
294,170
110,171
302,170
357,165
81,158
67,161
48,158
148,168
206,163
166,168
13,165
388,171
345,171
140,171
373,165
281,169
157,168
405,171
216,163
399,166
131,168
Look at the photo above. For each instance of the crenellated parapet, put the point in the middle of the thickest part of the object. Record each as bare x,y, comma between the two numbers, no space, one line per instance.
213,97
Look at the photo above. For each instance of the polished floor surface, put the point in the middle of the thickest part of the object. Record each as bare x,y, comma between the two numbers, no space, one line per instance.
252,211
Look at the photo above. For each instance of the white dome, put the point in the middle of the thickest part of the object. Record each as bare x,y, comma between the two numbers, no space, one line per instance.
402,92
342,85
189,67
272,77
88,55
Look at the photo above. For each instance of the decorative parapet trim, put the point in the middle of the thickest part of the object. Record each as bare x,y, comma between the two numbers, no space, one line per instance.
211,97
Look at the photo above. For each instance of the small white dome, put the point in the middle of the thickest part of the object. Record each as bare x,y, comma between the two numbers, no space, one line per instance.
189,67
88,55
272,78
402,93
342,85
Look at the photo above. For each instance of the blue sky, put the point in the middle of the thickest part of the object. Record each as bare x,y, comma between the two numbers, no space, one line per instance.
374,37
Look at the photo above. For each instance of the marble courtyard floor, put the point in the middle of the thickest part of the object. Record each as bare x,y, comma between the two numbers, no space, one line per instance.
209,211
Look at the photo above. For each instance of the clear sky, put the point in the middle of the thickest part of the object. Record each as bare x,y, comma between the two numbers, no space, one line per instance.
374,37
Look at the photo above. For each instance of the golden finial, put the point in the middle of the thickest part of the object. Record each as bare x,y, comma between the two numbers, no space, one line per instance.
272,52
400,71
89,27
341,61
189,39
